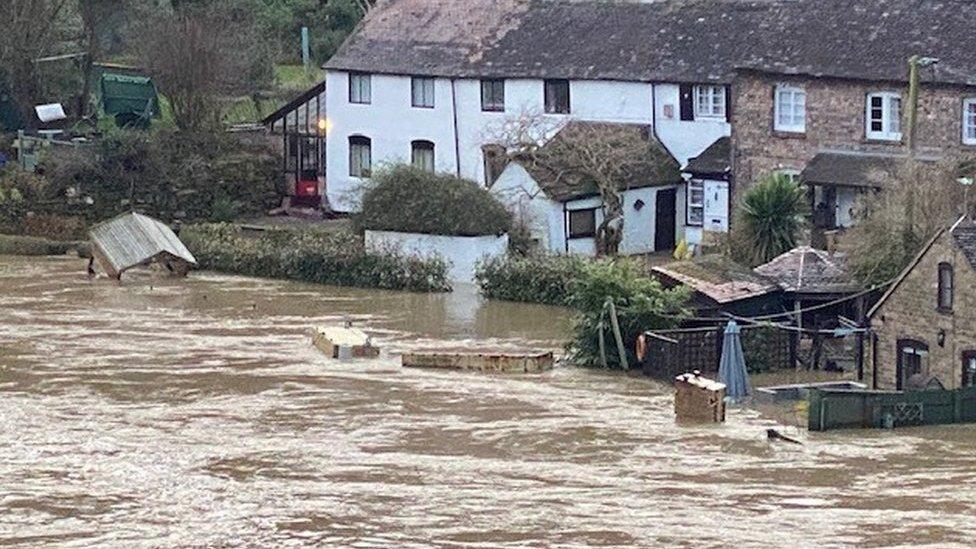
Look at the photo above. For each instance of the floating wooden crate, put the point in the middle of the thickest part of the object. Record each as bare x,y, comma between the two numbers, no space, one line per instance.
697,399
344,343
482,362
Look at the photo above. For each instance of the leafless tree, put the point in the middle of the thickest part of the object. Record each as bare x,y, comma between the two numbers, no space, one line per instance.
608,158
198,55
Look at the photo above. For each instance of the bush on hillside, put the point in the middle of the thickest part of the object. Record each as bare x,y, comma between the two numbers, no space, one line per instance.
338,258
163,174
543,278
409,200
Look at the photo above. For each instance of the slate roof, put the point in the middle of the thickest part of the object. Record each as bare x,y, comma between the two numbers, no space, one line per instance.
811,271
135,239
716,159
851,169
561,181
666,40
718,278
965,237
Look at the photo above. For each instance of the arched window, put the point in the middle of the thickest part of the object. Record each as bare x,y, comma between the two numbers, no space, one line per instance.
946,283
360,156
422,155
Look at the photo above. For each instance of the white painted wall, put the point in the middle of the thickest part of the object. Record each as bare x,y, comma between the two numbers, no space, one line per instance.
392,123
546,219
462,252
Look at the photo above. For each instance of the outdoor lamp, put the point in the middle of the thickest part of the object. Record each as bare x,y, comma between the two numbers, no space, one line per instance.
942,338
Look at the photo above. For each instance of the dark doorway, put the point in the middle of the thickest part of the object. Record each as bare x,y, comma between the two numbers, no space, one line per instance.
912,364
665,217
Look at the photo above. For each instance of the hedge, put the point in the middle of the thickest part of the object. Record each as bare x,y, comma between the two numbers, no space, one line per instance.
337,258
34,246
542,278
409,200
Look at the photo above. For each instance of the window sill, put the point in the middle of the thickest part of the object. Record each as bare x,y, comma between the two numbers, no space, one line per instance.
884,141
788,134
944,311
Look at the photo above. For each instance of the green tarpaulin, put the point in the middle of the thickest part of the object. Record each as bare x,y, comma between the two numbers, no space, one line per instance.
128,97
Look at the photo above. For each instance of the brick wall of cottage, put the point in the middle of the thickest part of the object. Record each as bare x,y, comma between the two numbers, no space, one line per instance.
911,312
835,121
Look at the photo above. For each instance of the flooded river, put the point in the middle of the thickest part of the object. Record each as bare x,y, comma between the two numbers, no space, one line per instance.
195,414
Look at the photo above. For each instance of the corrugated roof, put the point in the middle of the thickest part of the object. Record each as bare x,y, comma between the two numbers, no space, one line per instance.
134,239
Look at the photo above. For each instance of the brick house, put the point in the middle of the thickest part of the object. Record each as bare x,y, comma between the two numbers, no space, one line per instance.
832,107
923,330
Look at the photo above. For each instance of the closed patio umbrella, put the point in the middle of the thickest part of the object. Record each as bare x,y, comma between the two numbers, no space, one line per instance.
732,369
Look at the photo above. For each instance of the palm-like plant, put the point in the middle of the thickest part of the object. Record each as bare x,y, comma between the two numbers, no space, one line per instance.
769,220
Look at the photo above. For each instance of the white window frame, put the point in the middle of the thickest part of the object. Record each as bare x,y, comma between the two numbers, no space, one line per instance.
360,88
710,102
790,115
969,121
692,205
891,129
422,92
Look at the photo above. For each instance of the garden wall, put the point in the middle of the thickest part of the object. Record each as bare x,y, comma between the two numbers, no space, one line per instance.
461,252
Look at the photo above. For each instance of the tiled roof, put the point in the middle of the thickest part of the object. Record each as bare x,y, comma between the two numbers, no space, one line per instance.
808,270
718,278
965,236
666,40
716,159
851,169
560,180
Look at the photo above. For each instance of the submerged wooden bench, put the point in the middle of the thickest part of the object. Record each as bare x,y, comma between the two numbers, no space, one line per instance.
506,362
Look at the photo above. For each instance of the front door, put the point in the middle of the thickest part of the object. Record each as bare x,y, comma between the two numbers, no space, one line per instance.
664,220
969,369
912,364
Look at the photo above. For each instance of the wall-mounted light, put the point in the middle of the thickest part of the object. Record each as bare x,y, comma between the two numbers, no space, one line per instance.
942,338
324,125
639,205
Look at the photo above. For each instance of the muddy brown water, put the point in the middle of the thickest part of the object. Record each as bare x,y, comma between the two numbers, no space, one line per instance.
195,414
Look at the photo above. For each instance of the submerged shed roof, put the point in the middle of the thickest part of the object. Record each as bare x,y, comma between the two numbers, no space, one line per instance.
718,278
809,270
134,239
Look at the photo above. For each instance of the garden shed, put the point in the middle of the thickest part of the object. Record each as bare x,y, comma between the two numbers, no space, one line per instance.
131,99
134,240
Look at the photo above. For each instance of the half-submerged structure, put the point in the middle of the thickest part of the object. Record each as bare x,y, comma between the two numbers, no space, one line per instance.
135,240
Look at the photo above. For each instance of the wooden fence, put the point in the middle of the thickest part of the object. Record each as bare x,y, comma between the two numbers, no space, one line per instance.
674,352
832,409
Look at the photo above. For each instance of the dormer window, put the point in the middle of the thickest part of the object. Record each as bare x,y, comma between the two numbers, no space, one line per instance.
709,102
884,116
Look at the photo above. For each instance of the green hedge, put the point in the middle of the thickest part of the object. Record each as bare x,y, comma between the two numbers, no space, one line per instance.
532,279
30,245
408,200
312,256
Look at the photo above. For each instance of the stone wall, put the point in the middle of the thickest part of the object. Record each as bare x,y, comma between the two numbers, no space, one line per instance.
835,121
911,312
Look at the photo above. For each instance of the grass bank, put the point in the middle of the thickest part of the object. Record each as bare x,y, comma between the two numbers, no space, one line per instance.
337,258
37,246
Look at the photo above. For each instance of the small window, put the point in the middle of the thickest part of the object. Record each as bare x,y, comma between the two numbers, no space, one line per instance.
360,91
968,369
557,96
945,287
696,202
495,161
360,156
791,109
422,90
422,155
790,173
710,102
884,116
493,95
582,223
969,121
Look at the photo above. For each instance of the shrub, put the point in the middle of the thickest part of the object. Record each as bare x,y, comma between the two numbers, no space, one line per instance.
641,303
163,174
30,245
540,278
337,258
768,220
409,200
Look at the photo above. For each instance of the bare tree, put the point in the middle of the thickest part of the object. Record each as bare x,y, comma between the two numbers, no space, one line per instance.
603,157
199,55
29,30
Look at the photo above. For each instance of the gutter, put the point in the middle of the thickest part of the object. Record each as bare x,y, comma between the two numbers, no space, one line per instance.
457,144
